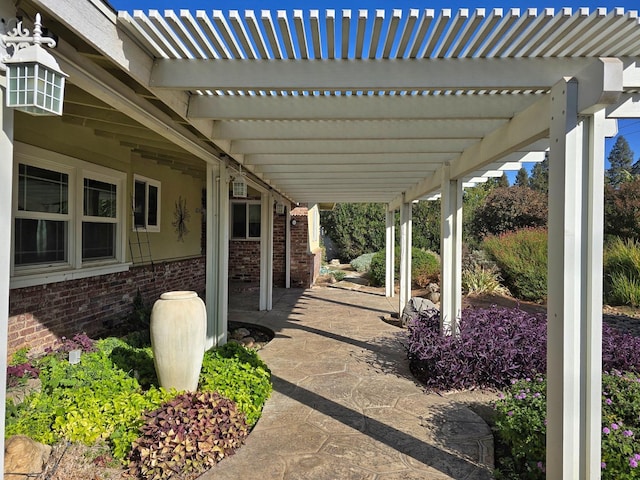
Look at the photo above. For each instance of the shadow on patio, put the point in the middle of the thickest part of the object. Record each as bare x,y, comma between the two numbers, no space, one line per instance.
344,404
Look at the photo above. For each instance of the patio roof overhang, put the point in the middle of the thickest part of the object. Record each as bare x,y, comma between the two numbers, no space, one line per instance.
351,106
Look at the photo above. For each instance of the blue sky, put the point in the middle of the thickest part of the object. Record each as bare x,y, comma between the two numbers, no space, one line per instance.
629,128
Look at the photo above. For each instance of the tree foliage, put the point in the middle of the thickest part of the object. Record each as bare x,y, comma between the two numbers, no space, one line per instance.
622,209
539,179
522,178
356,228
620,160
426,225
508,209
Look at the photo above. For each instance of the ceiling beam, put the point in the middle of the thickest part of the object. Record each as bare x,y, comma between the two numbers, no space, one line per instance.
363,74
345,146
354,107
353,129
353,159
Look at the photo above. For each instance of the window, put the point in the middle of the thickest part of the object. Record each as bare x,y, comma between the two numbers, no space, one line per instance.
67,213
146,204
245,220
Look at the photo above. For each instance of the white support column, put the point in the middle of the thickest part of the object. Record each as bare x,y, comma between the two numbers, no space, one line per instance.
450,253
266,252
6,178
222,303
405,254
390,259
574,332
212,252
287,247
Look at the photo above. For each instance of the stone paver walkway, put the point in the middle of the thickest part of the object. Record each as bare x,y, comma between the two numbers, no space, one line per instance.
344,404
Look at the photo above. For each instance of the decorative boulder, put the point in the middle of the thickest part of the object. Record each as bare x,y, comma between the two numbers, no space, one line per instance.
415,306
24,458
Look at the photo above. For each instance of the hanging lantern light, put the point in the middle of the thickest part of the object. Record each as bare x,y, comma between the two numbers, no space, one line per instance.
239,185
35,82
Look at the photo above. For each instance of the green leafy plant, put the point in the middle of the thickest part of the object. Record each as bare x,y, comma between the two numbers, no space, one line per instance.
339,275
622,272
187,435
522,259
237,373
425,267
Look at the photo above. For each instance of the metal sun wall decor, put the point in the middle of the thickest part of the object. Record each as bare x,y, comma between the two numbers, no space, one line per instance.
181,216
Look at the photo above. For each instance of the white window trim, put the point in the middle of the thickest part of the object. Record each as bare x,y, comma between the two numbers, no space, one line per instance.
148,182
77,170
246,203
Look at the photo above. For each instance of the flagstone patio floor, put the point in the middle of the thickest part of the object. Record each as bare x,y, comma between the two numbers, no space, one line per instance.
344,404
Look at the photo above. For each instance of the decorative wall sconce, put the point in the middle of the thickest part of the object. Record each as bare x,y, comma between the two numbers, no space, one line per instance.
35,82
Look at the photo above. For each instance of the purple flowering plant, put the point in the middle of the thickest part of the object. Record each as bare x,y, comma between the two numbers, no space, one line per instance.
520,426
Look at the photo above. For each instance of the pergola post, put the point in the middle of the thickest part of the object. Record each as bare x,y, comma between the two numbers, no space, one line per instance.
266,252
222,247
574,332
405,254
390,259
451,253
6,176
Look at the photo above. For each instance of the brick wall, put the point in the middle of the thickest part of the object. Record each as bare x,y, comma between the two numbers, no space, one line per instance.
40,315
244,260
244,255
279,249
302,262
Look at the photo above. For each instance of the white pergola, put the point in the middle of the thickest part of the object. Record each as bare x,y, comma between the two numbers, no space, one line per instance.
377,106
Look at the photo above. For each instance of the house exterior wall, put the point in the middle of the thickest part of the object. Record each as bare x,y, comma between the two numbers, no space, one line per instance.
41,314
58,301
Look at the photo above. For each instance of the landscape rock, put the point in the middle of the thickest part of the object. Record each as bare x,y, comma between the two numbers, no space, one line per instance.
415,306
240,333
24,457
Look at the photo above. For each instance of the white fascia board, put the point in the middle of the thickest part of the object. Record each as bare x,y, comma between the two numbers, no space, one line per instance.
354,107
363,74
353,129
631,75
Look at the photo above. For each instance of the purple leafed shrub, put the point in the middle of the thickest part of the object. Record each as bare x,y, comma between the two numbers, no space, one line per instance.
80,341
620,351
16,374
186,436
495,345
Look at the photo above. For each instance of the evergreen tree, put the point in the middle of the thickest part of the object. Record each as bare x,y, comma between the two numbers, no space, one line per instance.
522,178
539,179
620,159
503,181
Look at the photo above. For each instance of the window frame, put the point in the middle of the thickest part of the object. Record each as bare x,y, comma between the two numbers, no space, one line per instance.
147,183
247,204
77,171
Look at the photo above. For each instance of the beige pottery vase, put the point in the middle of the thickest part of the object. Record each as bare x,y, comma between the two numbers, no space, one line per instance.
178,330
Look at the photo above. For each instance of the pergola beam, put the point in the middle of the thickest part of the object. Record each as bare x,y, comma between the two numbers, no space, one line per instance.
352,129
362,75
356,107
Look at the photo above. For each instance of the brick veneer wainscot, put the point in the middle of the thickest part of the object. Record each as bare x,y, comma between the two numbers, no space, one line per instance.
40,315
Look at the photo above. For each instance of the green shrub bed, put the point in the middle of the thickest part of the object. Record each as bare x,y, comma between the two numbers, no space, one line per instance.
112,395
425,267
622,272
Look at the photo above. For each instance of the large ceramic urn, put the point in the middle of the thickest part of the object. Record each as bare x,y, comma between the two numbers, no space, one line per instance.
178,329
